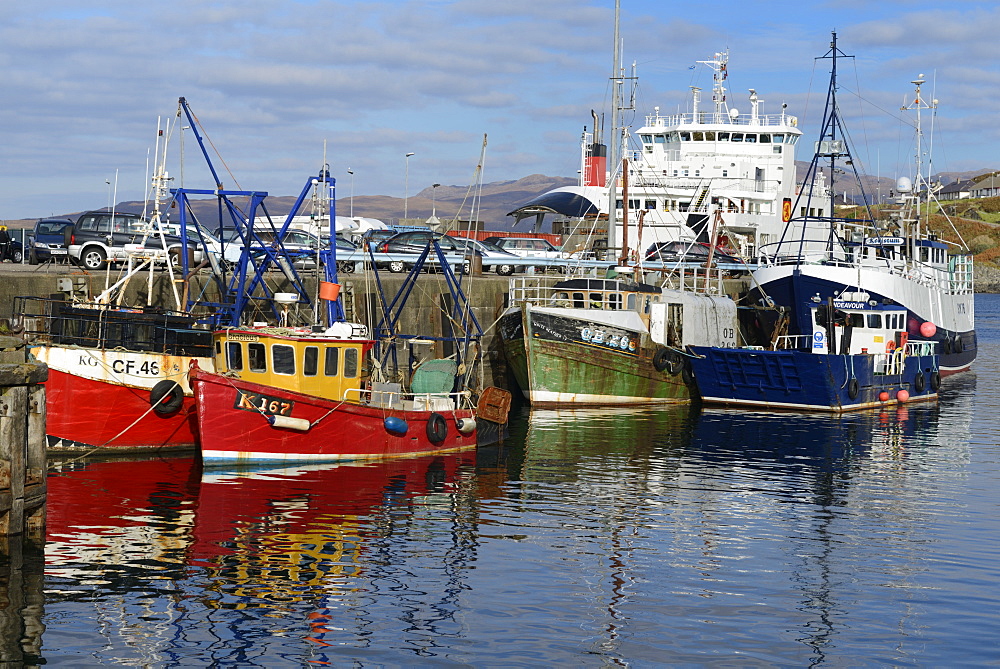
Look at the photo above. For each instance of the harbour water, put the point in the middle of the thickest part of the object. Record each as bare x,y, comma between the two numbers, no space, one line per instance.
588,538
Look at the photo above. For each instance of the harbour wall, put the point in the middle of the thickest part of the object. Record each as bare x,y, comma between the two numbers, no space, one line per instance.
426,311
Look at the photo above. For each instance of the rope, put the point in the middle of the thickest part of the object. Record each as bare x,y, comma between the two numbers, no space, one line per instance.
95,449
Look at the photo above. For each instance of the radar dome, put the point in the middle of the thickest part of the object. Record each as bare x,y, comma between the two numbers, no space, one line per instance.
903,185
733,113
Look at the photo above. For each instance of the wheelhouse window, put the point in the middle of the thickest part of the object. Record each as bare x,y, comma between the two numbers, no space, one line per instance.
234,355
350,363
331,363
310,361
875,321
258,357
614,301
283,359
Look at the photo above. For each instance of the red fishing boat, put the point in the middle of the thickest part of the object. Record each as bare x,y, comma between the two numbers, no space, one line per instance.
289,394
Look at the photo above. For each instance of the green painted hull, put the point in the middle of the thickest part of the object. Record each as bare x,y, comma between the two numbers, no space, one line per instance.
555,368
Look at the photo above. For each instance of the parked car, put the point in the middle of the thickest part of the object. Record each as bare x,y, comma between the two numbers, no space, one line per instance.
527,247
344,247
98,238
415,241
494,258
376,236
49,240
10,249
299,244
694,252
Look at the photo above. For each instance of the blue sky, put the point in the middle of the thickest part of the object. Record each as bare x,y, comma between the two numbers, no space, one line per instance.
272,80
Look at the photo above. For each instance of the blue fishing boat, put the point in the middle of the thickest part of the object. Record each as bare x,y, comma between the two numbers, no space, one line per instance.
858,356
890,252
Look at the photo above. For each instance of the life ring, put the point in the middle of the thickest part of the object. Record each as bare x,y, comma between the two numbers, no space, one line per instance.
919,383
853,389
890,346
437,428
935,381
166,397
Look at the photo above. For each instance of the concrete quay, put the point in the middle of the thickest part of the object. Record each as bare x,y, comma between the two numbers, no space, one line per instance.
425,313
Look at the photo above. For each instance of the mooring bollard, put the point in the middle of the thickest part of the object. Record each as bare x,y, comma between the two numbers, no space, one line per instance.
22,441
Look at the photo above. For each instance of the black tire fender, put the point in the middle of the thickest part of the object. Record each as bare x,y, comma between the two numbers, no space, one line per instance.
437,428
919,382
661,359
166,397
687,374
935,381
853,389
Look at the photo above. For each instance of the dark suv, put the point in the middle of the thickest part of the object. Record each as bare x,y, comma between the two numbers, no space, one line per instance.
49,240
97,239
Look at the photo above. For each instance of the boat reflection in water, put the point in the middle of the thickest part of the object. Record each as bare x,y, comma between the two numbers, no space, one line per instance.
178,542
586,531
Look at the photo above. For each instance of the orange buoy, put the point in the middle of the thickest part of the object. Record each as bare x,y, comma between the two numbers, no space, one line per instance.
902,395
927,329
883,396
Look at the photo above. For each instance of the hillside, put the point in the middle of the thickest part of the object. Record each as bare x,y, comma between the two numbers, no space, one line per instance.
496,200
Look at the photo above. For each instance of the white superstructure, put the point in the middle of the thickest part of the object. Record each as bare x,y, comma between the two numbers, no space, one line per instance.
717,167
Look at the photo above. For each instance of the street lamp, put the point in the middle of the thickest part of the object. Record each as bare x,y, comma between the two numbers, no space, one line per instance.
351,172
434,200
406,189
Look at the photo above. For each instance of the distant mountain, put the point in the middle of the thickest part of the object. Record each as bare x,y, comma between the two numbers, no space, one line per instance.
495,200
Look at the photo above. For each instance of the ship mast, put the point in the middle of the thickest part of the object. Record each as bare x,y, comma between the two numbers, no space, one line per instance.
614,158
918,105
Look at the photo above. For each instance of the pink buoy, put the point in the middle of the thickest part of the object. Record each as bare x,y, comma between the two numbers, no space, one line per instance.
883,396
927,329
902,395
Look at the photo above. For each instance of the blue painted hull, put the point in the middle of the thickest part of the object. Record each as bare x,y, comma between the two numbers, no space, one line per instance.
957,345
806,381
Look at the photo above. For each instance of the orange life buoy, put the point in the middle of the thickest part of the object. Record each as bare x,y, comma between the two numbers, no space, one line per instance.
890,346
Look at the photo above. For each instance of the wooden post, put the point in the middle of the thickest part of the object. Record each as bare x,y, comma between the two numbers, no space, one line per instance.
22,441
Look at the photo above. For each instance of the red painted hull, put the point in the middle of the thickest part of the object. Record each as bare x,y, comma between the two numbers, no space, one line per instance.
338,431
91,414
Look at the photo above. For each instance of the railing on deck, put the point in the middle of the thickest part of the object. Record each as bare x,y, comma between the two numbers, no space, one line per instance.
64,323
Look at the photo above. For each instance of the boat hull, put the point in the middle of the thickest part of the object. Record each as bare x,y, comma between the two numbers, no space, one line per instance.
234,429
952,313
99,401
803,381
558,360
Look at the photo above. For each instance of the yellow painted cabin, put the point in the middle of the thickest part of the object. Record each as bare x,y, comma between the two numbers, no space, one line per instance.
293,360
